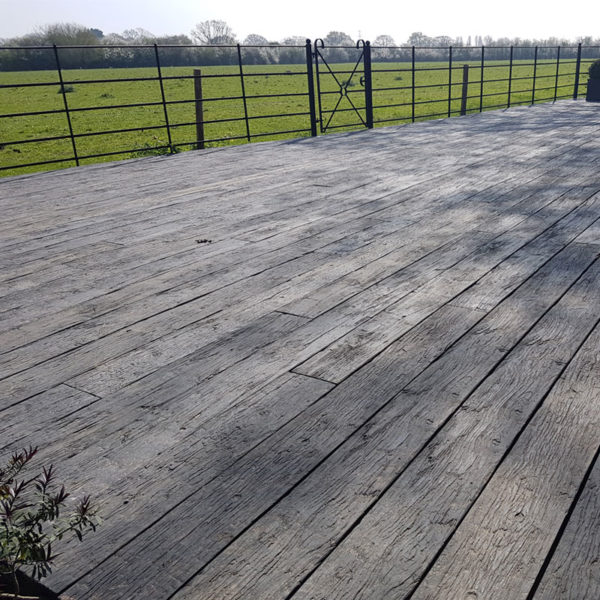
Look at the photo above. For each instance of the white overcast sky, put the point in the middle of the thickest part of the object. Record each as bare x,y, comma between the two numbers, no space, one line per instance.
276,19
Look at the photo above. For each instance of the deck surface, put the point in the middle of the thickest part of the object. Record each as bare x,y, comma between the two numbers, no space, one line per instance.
365,365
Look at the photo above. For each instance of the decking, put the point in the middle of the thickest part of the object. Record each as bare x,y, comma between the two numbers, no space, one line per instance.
359,366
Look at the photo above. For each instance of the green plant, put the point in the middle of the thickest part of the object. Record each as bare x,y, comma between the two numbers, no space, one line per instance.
31,519
594,70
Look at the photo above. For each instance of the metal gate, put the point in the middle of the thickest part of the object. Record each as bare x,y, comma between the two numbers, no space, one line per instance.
360,74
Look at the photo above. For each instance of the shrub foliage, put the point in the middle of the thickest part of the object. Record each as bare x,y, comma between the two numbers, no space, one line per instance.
33,516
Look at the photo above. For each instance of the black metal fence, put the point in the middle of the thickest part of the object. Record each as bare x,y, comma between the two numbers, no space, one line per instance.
134,101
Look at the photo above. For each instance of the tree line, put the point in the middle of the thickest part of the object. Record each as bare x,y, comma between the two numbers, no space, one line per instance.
213,42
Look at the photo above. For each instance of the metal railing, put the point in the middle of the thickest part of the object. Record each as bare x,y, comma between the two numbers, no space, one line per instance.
196,96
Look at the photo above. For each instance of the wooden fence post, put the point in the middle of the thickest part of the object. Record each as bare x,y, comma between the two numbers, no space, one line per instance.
465,90
199,109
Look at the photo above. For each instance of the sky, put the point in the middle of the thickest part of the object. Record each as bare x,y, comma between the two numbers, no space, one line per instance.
277,19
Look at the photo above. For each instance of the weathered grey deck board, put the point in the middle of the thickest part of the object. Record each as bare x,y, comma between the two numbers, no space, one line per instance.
351,351
368,389
296,534
573,571
373,561
295,282
279,463
529,495
55,345
250,410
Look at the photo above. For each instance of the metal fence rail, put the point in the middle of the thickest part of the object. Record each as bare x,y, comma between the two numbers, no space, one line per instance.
316,92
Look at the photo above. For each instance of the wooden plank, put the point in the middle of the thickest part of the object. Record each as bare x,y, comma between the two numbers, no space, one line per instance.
173,276
440,226
271,558
77,338
208,450
277,480
529,495
35,422
208,358
573,568
504,277
110,376
286,456
36,270
52,343
148,286
591,235
399,537
348,353
215,447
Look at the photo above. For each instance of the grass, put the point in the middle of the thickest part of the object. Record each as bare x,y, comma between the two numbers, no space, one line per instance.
258,80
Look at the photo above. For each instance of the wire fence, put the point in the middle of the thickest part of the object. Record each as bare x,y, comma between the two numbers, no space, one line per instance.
69,105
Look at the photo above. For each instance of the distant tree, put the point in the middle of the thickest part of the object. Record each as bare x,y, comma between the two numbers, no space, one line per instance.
585,41
295,40
212,33
66,34
257,56
344,52
62,34
177,55
338,38
417,38
138,36
115,39
97,32
293,55
254,39
384,40
442,41
173,40
384,47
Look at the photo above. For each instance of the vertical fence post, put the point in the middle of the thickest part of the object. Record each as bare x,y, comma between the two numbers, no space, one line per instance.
164,100
239,53
66,104
368,85
465,90
535,61
557,71
510,70
413,84
318,78
199,109
482,73
450,81
577,71
311,89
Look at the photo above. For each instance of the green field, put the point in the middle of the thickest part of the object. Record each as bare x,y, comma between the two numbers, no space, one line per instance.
258,80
